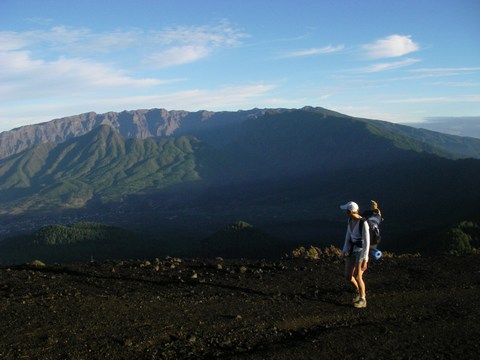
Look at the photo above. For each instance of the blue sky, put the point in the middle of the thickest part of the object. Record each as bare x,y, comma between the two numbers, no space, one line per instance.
399,61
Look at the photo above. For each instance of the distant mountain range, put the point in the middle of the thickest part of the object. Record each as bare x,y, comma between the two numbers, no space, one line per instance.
217,128
283,170
462,126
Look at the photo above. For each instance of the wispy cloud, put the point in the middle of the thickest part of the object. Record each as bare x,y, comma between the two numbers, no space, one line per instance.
70,41
21,76
439,72
313,51
456,84
62,70
177,55
42,63
471,98
391,46
183,45
386,66
84,39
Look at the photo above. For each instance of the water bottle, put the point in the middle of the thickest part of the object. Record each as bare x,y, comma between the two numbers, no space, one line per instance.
375,253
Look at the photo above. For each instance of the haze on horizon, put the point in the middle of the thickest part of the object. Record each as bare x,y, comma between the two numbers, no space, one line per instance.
404,62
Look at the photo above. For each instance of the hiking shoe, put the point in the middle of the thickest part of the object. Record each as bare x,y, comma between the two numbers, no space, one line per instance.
356,298
361,303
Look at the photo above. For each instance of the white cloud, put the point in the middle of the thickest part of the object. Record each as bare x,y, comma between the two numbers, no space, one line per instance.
177,55
10,41
220,35
22,77
391,46
182,45
25,74
456,84
314,51
439,72
84,41
471,98
69,40
57,61
64,38
379,67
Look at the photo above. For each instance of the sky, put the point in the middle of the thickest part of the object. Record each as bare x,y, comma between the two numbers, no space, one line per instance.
400,61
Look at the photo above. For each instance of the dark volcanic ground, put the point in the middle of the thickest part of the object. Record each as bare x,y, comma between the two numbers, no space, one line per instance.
202,309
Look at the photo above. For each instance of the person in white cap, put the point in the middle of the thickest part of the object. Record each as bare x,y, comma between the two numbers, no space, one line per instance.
355,252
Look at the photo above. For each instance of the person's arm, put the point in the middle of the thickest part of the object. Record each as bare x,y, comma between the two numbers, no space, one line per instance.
366,242
346,244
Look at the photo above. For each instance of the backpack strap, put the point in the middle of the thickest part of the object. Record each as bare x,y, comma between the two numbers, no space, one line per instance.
360,226
359,243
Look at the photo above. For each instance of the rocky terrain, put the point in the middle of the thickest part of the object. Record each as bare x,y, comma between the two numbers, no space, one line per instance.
292,308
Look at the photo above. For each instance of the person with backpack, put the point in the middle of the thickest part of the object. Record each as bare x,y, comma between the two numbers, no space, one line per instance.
355,252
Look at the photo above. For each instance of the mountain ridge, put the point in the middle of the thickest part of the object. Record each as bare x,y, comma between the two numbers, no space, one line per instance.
216,128
283,146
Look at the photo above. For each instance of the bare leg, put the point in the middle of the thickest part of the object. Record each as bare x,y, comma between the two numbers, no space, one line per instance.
360,282
350,267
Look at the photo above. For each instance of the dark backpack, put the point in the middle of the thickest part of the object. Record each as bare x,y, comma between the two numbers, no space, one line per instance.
373,219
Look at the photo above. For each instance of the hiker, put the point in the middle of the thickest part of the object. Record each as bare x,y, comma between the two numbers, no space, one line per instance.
355,252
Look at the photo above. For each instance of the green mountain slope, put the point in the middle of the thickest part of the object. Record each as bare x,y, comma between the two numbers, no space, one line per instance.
100,165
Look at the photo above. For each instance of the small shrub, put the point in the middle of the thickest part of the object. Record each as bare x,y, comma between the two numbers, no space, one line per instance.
37,263
387,255
407,255
315,253
299,252
332,251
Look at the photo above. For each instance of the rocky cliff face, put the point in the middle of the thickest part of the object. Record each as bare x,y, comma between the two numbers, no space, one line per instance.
139,123
130,124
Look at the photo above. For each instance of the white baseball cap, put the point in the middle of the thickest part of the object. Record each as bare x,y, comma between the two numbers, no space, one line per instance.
350,206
